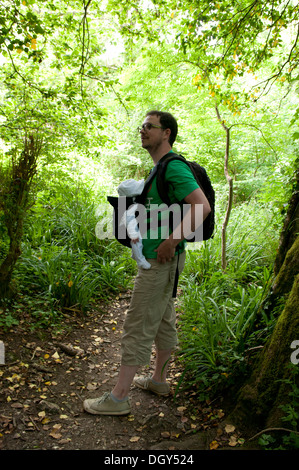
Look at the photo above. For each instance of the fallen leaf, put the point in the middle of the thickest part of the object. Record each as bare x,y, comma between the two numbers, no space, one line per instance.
214,445
220,414
229,428
233,441
134,439
57,427
16,405
98,339
165,434
181,409
65,441
91,387
55,435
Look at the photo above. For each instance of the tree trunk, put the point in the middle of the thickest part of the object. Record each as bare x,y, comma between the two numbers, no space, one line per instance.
15,202
289,232
230,193
8,264
260,399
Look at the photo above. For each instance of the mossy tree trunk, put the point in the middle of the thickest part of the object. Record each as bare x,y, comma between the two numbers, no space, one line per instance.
260,399
16,181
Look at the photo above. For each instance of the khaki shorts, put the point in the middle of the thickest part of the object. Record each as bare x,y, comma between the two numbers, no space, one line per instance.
151,316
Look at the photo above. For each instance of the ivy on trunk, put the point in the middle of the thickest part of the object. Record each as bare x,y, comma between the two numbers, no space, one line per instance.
15,200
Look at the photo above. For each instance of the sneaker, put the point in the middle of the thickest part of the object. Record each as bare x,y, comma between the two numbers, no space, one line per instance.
146,383
105,405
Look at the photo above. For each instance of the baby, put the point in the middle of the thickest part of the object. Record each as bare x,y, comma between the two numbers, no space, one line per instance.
131,188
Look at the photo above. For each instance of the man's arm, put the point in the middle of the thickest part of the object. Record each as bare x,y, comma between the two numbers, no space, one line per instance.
166,249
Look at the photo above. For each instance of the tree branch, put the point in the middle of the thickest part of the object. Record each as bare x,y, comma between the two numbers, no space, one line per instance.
230,186
271,430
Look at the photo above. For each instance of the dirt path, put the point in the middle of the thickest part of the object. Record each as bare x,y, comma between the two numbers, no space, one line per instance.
45,380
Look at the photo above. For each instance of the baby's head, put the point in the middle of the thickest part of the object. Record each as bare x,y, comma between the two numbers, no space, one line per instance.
130,187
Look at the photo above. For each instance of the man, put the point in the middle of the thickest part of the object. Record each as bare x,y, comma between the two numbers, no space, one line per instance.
151,316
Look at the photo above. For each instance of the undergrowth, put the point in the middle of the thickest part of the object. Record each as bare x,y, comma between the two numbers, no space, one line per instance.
223,319
63,264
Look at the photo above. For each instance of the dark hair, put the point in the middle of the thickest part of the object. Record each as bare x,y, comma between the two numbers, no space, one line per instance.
167,121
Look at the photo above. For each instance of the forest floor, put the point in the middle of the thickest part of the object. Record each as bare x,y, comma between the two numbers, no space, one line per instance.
46,377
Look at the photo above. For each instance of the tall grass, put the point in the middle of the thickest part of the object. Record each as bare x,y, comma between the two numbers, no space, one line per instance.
223,312
63,262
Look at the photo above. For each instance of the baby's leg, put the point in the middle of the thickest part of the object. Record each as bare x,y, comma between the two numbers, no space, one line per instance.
138,256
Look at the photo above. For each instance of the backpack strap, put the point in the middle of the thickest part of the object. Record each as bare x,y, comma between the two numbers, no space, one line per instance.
155,171
162,187
162,184
176,279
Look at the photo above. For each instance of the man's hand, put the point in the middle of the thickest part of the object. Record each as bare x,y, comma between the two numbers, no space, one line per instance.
166,251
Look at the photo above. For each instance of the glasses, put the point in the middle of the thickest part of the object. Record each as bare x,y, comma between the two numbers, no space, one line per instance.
148,126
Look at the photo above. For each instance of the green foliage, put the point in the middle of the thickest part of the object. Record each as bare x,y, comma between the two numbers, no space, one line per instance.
63,264
223,314
70,278
20,27
286,438
7,319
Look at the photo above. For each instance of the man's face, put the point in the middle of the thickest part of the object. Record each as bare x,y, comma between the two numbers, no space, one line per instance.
153,137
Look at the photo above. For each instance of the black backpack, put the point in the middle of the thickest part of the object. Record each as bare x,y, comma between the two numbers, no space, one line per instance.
202,180
159,170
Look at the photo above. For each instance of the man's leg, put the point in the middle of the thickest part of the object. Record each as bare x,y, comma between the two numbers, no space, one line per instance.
127,374
165,340
140,328
124,382
161,366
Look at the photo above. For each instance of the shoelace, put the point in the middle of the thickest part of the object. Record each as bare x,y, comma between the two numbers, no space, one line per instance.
104,397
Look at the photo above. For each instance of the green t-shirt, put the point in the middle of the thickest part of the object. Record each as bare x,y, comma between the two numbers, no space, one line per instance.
181,184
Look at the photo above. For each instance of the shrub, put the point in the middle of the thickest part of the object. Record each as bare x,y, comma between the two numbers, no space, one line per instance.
223,310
